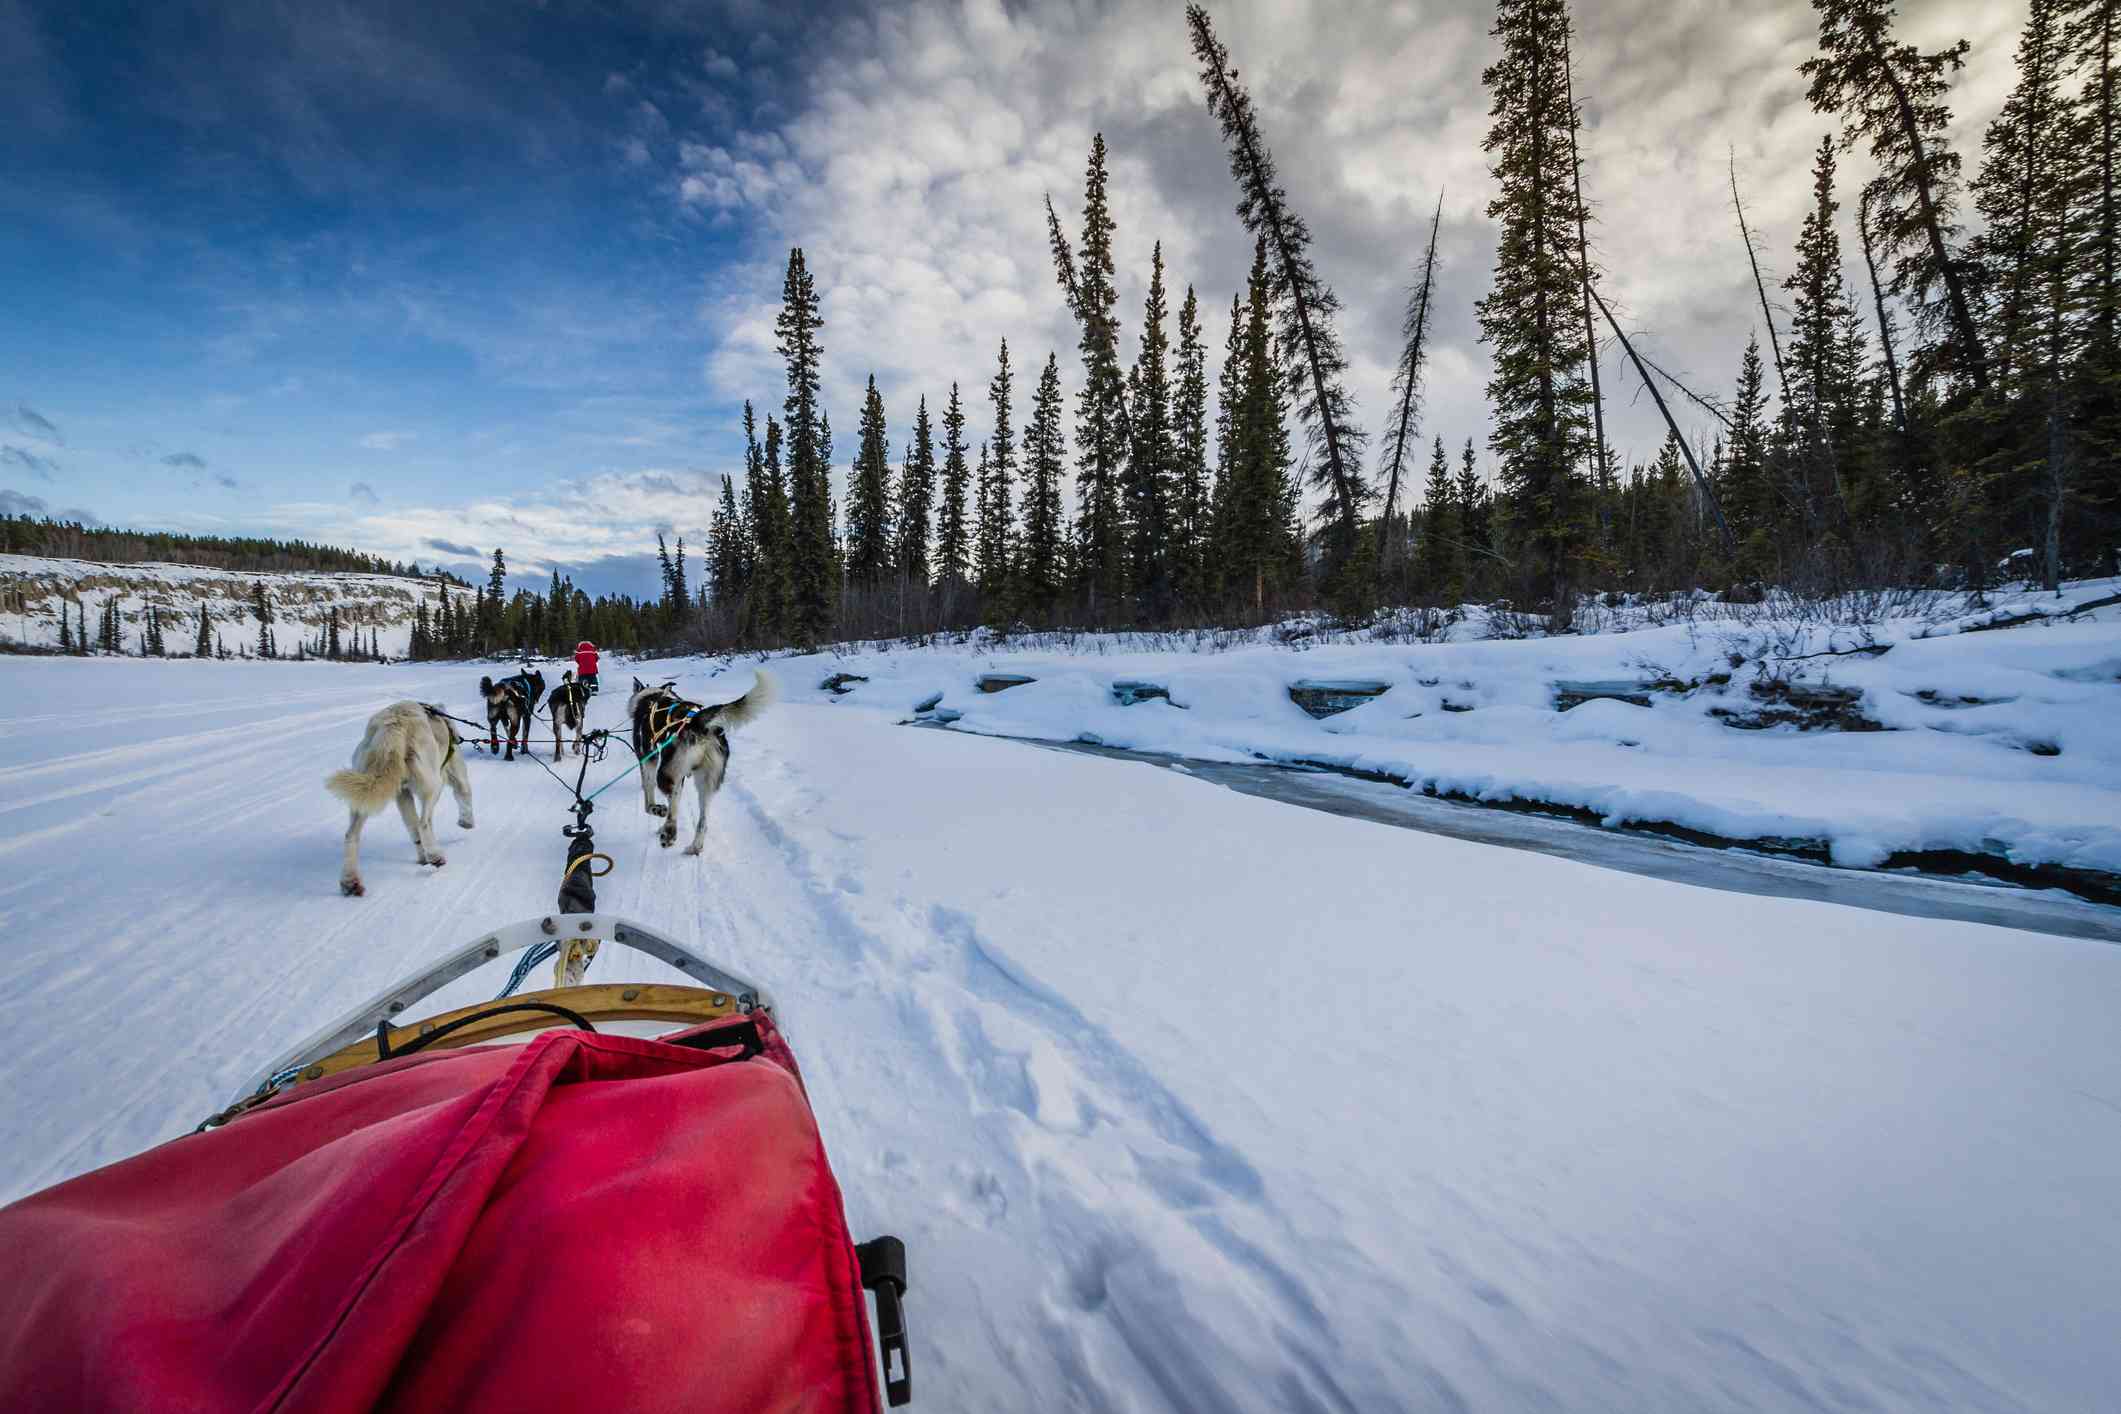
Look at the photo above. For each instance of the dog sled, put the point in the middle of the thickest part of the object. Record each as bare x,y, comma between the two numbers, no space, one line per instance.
603,1195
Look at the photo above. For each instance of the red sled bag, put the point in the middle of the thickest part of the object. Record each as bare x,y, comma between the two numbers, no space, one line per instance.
581,1221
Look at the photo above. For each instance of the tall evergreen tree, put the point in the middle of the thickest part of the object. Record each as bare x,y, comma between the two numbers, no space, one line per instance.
203,647
953,532
2025,192
916,492
997,520
1474,512
1190,493
869,542
725,553
261,610
1152,462
812,568
1748,499
1825,351
1892,96
1040,557
1440,530
2092,38
1254,537
1101,427
1532,317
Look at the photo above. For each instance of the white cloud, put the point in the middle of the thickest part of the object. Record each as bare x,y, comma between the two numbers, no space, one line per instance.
387,441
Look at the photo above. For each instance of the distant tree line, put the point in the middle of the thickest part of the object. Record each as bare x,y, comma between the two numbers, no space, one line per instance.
26,535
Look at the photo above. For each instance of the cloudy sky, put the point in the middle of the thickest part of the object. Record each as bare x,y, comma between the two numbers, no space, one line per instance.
430,278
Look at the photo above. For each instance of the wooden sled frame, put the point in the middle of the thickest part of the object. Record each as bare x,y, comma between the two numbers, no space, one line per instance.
351,1040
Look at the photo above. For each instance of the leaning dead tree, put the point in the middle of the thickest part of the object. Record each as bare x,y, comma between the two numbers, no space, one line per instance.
1752,255
1407,383
1701,482
1304,323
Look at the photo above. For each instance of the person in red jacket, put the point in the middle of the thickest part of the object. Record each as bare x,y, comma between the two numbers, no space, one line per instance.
585,664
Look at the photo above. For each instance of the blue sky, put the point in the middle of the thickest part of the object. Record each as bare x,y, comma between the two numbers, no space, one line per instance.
426,278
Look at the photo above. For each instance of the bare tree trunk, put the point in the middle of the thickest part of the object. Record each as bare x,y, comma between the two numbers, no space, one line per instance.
1753,257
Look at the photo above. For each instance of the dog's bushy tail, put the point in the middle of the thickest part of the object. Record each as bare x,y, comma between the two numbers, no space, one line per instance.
373,784
747,707
485,687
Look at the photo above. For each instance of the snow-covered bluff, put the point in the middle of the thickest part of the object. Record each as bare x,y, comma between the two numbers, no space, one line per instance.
33,587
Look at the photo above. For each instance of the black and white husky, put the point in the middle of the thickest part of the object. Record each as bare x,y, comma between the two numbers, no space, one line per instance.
698,748
511,703
567,706
408,753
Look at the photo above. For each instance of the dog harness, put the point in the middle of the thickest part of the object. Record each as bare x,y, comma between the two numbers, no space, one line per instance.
667,714
517,687
574,694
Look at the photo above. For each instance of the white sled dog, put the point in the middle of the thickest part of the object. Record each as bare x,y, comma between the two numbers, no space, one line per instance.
407,753
699,752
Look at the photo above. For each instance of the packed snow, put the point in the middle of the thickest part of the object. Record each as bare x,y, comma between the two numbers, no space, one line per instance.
1183,1099
1995,744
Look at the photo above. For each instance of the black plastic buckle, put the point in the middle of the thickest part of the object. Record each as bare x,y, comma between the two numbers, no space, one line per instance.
883,1262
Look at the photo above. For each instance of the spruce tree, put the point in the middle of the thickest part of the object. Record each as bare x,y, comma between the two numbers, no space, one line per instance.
725,547
1040,562
331,632
1190,492
1101,426
1825,352
2093,40
2025,193
953,539
1892,96
997,521
869,542
1440,530
916,492
1532,318
1748,498
205,645
812,568
1152,463
1474,511
1258,500
66,629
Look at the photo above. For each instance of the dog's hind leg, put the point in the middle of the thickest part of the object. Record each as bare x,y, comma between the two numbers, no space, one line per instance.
459,778
350,867
648,804
709,782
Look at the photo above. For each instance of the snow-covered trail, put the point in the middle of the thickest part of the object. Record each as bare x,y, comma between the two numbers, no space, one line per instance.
1183,1100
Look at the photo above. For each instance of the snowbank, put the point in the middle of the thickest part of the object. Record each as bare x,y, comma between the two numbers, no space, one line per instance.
1916,739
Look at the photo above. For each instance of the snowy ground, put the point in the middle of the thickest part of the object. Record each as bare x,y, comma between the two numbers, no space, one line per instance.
1182,1099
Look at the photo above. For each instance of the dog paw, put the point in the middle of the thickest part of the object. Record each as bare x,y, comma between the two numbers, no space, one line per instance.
436,860
464,822
658,810
351,888
667,838
695,847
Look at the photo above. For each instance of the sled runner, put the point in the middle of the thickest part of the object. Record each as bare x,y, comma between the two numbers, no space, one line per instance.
607,1196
